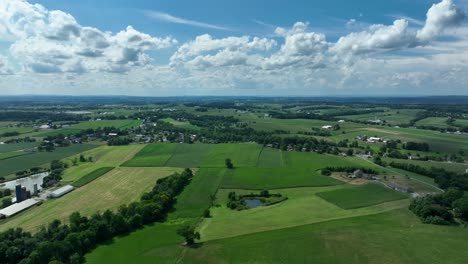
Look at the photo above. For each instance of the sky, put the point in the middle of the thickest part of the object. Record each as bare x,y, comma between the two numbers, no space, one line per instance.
234,47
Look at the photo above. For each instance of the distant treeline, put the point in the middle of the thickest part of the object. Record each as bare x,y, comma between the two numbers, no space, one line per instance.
62,243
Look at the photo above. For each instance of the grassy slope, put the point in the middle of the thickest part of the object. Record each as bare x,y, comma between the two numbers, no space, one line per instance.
361,196
392,237
120,186
12,165
302,207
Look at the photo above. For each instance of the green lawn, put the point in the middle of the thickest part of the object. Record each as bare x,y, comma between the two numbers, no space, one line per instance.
12,165
91,176
433,121
154,155
361,196
392,237
241,155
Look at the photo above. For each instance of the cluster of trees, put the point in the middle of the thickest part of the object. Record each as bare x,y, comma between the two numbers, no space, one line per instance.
419,146
32,116
300,144
237,202
441,209
327,171
61,243
6,201
119,141
20,140
31,171
229,164
56,171
10,134
445,179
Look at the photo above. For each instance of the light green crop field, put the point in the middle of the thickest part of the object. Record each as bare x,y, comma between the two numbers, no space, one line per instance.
119,186
270,158
121,124
316,161
394,117
433,121
181,124
103,156
361,196
62,131
19,146
391,237
12,165
9,155
461,122
241,155
276,178
153,155
188,155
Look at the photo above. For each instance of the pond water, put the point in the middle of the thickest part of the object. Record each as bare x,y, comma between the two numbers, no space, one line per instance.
252,203
27,182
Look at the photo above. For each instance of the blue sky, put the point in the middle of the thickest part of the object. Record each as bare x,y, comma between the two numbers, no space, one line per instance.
212,47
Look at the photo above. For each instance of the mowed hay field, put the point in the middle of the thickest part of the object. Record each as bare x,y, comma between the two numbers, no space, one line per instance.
361,196
103,156
119,186
154,155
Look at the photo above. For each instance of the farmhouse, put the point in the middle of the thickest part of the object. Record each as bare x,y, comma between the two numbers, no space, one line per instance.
17,207
375,140
327,127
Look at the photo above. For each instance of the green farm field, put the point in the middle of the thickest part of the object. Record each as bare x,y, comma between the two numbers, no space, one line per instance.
302,207
433,121
103,156
241,155
392,237
91,176
12,165
19,146
361,196
455,167
119,186
153,155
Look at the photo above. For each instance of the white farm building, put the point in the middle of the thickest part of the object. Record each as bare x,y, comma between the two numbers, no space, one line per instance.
61,192
17,207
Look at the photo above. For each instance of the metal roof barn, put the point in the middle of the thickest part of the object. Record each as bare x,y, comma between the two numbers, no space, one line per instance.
60,192
18,207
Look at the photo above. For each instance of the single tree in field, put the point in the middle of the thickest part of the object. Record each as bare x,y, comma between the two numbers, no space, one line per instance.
229,164
188,232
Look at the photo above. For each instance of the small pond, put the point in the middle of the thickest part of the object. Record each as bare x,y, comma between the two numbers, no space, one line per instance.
252,203
27,182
